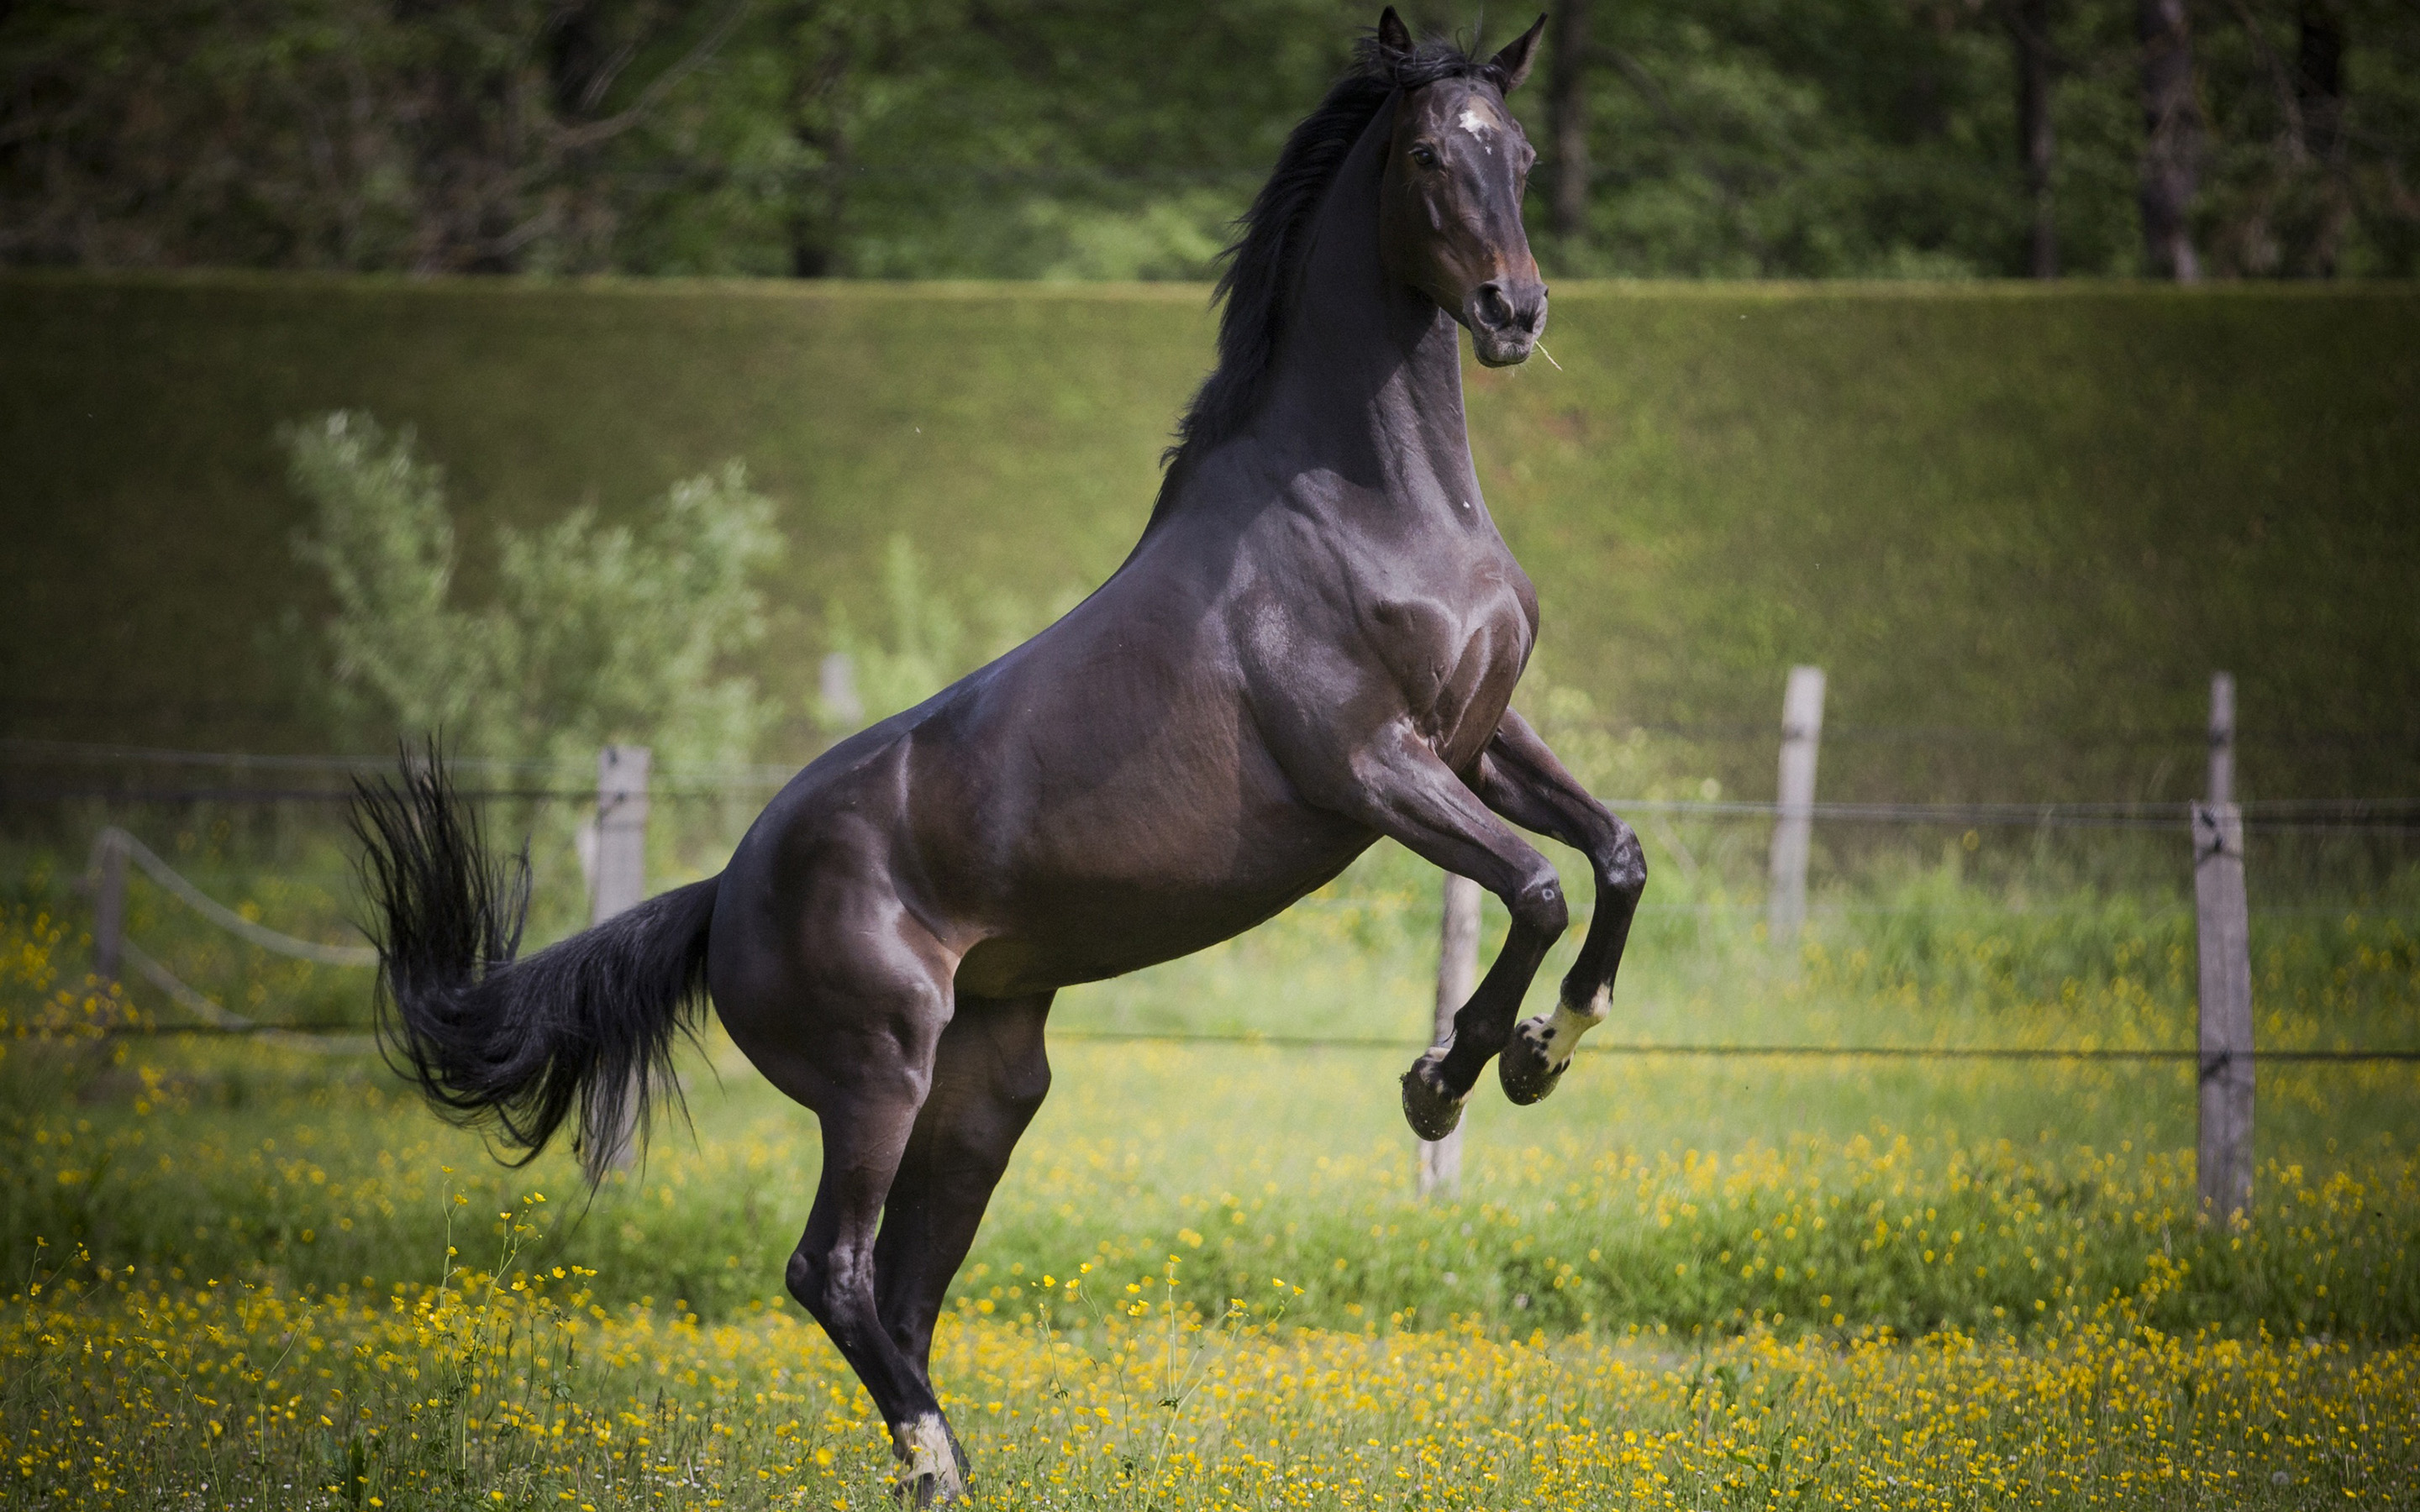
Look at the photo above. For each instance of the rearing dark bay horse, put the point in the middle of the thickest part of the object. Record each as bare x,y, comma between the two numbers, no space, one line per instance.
1312,645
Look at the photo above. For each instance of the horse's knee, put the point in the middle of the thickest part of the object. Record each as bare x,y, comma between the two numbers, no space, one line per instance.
1622,864
1538,905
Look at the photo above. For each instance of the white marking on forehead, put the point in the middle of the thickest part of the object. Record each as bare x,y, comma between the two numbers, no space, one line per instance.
1475,124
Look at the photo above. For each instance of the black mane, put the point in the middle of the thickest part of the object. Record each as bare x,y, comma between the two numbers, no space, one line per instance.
1260,261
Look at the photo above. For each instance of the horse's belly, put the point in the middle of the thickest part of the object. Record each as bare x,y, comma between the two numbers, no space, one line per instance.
1068,928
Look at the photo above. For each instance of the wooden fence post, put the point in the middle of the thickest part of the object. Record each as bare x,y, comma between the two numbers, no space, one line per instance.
621,831
2223,935
1457,978
836,685
621,879
108,904
1802,729
2222,737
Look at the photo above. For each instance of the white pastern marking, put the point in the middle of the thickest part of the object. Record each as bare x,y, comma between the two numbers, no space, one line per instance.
925,1445
1564,1030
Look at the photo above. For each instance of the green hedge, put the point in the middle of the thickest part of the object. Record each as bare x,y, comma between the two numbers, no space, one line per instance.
2019,525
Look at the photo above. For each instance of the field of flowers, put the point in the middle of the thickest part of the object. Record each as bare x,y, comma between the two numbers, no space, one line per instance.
490,1391
243,1275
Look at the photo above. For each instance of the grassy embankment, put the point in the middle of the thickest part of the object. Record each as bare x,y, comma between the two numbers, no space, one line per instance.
2041,515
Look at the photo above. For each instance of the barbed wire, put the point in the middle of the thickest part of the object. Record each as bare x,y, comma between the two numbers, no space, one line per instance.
217,1019
724,783
2386,816
1249,1039
1769,1052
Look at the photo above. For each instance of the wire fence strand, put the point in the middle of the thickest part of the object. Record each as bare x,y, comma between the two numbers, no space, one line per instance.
1836,1051
2336,816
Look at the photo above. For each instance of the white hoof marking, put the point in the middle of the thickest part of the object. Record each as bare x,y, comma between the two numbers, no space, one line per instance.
924,1444
1564,1030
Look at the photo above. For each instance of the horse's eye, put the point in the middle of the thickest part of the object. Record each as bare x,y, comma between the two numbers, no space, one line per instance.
1425,157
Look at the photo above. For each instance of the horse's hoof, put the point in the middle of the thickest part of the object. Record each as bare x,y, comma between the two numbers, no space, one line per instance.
1431,1110
933,1472
1526,1067
929,1487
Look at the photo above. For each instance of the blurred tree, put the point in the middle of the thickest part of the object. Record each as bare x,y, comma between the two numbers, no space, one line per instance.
427,135
1568,57
2172,139
1822,138
596,634
2029,24
2313,106
1087,139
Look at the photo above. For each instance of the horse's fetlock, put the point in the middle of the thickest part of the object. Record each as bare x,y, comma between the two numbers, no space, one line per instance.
1584,1005
1484,1034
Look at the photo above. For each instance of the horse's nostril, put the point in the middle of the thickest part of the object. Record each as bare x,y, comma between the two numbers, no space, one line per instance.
1494,308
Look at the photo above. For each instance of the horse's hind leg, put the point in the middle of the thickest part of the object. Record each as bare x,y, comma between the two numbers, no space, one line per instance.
849,1021
989,1076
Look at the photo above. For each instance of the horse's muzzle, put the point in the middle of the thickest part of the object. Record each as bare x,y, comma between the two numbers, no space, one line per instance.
1505,317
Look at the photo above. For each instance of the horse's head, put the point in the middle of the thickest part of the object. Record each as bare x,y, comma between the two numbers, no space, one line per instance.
1449,206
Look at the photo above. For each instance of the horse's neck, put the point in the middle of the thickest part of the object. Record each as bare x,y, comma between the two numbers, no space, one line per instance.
1368,381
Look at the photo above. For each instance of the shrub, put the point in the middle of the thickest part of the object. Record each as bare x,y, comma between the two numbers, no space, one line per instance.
597,634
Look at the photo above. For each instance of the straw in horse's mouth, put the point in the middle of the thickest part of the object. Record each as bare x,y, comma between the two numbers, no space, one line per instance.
1549,357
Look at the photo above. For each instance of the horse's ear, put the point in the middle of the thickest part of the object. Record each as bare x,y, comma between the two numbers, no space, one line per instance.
1512,66
1394,38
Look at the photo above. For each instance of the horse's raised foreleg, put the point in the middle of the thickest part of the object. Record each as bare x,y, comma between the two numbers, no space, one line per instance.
989,1076
1519,778
1404,791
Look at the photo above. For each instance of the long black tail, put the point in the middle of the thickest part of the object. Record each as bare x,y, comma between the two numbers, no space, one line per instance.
586,1024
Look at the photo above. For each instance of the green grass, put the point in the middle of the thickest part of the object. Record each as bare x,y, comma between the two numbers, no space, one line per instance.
1294,1160
246,1273
2040,514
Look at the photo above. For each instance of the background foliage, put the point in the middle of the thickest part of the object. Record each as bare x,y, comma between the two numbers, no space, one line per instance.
596,634
1084,139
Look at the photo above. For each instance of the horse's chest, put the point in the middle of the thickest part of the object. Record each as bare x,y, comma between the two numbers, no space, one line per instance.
1455,655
